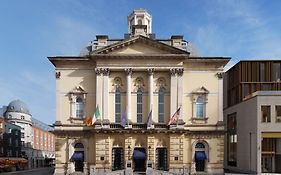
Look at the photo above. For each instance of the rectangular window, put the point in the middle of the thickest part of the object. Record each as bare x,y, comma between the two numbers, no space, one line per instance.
117,106
262,72
276,72
278,114
139,106
161,106
232,140
265,112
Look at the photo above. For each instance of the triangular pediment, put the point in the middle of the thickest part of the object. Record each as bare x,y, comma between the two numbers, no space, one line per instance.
139,45
77,90
200,90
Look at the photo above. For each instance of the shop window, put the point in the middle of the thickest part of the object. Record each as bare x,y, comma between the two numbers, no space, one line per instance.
278,114
265,111
231,140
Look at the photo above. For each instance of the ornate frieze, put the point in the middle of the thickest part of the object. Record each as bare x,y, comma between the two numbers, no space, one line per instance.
129,71
98,71
150,71
173,72
105,71
180,71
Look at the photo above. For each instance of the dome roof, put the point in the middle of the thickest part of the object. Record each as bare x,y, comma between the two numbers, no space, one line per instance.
18,106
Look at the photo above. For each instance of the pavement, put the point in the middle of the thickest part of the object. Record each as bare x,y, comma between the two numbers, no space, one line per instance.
36,171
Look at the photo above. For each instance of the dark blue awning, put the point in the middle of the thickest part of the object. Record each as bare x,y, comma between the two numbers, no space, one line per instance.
77,156
200,155
139,154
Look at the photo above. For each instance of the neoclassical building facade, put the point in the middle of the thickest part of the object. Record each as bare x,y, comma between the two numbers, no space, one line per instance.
137,77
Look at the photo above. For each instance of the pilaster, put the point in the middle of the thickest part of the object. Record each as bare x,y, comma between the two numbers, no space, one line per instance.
173,92
150,92
128,92
105,73
99,90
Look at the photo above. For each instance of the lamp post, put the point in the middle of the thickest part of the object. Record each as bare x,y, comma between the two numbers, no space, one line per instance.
149,147
129,151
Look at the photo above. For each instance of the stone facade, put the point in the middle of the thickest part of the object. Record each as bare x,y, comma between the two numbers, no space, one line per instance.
133,77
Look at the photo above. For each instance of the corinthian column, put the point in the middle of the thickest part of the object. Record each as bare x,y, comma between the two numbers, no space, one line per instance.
150,91
105,95
173,92
128,93
99,90
180,93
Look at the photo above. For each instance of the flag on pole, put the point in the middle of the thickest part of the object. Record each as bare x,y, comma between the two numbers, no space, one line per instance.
88,120
174,117
124,119
96,115
149,119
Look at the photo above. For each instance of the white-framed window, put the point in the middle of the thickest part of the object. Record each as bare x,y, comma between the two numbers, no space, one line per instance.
139,105
77,100
200,107
117,105
79,107
200,99
161,94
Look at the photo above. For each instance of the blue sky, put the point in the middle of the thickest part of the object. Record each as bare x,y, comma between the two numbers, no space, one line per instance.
31,30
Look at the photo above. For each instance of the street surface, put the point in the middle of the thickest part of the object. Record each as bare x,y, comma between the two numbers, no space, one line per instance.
37,171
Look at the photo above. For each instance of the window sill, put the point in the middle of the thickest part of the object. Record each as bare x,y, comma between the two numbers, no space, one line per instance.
199,120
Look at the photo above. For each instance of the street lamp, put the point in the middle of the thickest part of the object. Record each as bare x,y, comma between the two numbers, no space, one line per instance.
129,151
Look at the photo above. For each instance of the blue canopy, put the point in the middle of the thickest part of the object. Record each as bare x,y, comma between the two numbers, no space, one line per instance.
139,154
200,155
77,156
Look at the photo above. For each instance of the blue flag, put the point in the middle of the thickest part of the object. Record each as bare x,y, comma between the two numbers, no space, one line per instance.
124,119
149,119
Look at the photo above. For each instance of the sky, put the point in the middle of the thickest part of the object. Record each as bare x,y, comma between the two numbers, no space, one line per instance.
32,30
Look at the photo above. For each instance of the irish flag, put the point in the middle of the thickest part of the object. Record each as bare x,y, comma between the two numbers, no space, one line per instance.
96,115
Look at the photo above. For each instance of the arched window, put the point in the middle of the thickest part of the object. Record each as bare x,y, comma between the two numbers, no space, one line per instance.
117,105
139,22
79,107
199,145
161,94
78,145
139,105
199,107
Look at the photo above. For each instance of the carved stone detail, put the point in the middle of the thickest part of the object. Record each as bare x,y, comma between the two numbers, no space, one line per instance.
180,71
150,71
173,71
129,71
219,75
106,71
57,75
98,71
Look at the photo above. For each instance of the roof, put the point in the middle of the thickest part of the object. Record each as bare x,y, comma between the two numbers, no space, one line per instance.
18,106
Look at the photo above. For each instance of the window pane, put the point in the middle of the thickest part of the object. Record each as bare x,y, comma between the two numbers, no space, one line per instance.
161,105
117,106
231,140
265,110
278,113
276,72
139,106
199,110
262,72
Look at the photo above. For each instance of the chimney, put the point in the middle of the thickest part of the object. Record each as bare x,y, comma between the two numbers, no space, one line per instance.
101,41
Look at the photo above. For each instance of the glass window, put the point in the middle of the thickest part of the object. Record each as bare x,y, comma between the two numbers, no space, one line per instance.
276,72
199,107
117,106
161,94
139,106
22,135
262,72
79,107
246,90
278,113
231,140
265,110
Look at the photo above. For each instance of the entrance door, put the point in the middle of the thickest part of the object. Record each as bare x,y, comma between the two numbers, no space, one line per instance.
139,157
78,159
117,159
200,158
161,159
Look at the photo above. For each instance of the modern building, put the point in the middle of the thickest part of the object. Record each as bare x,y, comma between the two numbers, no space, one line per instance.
132,79
37,141
252,113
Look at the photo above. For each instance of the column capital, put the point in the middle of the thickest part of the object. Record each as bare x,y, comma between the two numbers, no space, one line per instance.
150,71
219,75
173,71
180,71
129,71
105,71
98,71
